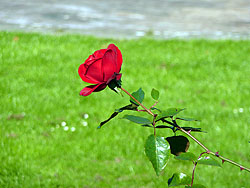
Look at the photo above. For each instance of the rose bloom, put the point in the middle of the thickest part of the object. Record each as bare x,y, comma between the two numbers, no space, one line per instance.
102,68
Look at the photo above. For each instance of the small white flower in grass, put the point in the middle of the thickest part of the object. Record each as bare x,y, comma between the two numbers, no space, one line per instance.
72,129
182,175
66,128
241,110
235,111
57,126
84,123
63,124
86,116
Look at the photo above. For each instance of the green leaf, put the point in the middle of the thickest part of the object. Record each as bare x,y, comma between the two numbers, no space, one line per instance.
128,107
138,95
158,151
179,179
111,117
186,157
196,186
170,112
178,144
186,119
164,127
146,125
137,119
192,129
156,109
208,160
155,94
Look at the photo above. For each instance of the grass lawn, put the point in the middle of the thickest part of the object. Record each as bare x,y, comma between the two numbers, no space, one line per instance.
39,89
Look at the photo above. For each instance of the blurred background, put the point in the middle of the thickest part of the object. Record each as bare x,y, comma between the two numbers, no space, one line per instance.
129,19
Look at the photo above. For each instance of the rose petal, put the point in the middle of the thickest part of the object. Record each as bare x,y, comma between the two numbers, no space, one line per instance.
82,72
101,87
118,76
96,55
99,53
108,64
92,88
94,70
91,71
118,57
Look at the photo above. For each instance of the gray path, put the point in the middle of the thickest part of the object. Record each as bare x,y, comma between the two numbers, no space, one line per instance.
130,18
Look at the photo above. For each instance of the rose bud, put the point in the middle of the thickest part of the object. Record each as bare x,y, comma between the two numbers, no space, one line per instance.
102,69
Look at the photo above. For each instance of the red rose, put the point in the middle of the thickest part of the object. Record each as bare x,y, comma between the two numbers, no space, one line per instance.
101,68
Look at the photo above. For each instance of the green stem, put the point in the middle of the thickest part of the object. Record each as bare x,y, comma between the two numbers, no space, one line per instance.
154,125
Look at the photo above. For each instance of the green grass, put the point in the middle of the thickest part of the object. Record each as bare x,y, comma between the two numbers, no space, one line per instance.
38,77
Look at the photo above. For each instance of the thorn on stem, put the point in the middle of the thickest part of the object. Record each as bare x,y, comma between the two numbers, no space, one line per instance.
217,154
223,161
241,168
189,131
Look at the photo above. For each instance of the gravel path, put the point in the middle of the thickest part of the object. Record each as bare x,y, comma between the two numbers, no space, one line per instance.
130,18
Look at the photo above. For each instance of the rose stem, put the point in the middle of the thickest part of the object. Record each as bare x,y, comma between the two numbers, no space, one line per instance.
148,111
195,164
212,153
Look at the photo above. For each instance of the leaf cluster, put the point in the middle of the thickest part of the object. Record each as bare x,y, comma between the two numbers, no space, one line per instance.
158,149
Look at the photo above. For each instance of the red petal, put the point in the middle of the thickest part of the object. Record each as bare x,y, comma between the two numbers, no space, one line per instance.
82,72
118,57
94,70
118,76
101,87
99,53
108,65
91,71
111,62
92,88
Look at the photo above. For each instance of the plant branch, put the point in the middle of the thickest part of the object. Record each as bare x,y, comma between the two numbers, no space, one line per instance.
188,134
154,124
148,111
212,153
153,105
195,164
